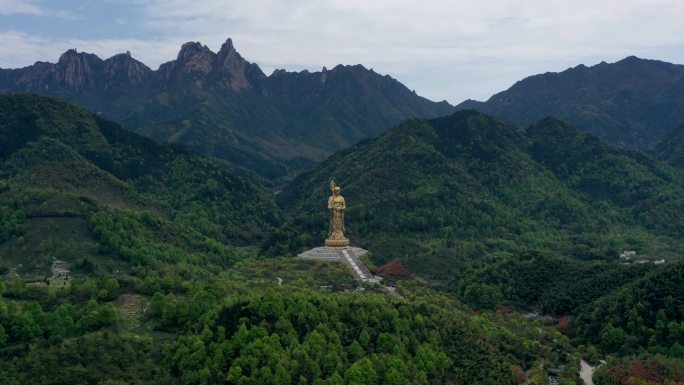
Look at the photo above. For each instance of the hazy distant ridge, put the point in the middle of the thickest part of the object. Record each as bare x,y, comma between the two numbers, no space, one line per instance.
633,101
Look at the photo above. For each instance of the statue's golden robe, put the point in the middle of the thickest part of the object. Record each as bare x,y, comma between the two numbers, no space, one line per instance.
336,206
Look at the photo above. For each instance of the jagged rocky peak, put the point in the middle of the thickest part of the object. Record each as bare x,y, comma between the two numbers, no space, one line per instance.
278,72
195,57
227,47
33,77
237,73
226,68
228,57
73,55
228,53
124,67
76,69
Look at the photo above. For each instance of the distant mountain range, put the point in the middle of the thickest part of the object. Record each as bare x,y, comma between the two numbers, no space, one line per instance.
224,106
633,102
276,126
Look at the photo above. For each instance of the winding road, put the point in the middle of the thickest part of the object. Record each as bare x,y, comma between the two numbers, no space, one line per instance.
587,372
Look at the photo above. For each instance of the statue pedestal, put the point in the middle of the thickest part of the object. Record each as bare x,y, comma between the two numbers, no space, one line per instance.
337,242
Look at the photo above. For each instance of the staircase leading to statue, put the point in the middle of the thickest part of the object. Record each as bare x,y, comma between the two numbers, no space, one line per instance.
359,268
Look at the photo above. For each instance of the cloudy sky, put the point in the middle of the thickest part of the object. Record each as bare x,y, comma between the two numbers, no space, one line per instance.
443,49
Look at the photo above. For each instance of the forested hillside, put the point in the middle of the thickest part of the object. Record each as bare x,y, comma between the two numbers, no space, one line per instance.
143,255
671,148
433,192
120,264
647,313
76,186
529,218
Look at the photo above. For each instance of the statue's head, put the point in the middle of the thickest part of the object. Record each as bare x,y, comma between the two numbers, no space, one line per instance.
337,190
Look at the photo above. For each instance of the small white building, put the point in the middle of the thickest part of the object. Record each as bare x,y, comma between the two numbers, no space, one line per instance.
627,255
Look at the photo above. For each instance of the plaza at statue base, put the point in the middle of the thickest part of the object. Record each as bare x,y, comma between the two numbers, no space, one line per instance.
348,255
337,247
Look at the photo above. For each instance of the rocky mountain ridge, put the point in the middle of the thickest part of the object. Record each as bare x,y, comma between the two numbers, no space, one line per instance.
224,106
632,102
78,71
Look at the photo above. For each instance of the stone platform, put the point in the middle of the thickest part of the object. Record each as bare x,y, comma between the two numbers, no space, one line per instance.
330,254
348,255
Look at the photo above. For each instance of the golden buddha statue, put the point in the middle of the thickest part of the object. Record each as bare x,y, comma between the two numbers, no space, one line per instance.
336,206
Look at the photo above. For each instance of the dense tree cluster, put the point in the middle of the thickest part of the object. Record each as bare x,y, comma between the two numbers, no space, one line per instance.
279,338
30,322
10,222
96,358
535,280
647,314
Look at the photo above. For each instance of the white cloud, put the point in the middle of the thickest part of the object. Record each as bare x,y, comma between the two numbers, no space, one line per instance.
20,49
18,7
33,8
67,15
